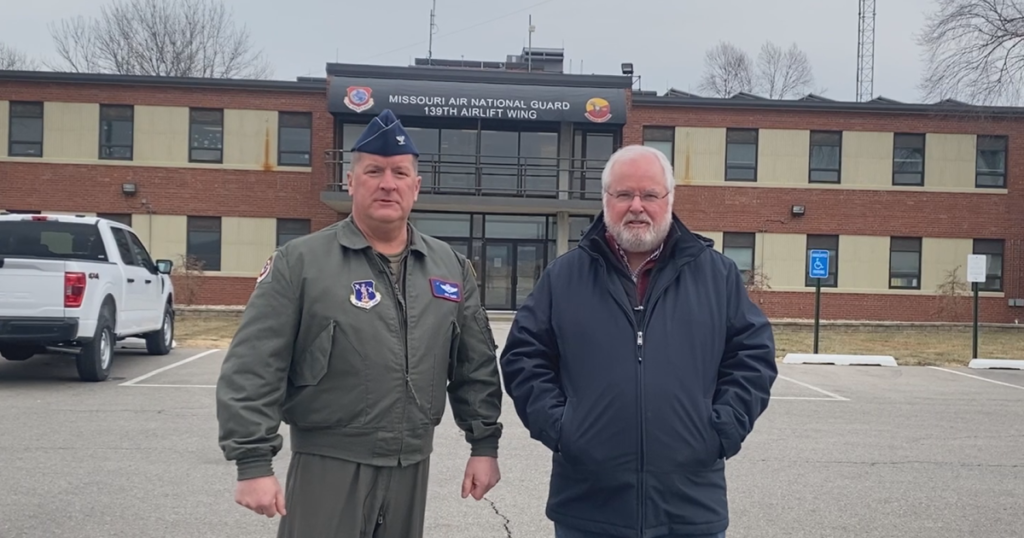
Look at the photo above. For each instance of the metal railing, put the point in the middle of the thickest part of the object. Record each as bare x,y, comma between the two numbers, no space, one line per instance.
491,175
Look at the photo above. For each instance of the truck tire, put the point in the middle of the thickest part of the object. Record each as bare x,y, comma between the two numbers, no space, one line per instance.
94,360
18,353
159,342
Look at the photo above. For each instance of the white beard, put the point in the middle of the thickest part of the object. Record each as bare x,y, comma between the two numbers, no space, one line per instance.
639,240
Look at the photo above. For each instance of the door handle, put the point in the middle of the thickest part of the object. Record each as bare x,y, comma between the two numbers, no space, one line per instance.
148,281
130,280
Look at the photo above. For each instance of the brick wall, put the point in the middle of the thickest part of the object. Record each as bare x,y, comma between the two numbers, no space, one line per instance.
861,212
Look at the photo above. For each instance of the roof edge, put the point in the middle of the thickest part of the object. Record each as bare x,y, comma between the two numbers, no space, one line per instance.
448,74
146,80
886,106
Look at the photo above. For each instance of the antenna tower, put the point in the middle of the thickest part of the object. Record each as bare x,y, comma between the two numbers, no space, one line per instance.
866,50
433,30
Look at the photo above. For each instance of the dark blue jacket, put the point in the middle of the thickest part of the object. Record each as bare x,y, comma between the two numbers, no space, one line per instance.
640,407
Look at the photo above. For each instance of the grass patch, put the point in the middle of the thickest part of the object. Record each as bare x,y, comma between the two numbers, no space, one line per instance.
912,346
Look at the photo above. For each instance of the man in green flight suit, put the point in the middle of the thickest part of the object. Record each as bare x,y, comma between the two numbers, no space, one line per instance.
354,336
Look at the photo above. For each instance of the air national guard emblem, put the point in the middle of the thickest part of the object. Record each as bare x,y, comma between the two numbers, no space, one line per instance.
445,290
364,295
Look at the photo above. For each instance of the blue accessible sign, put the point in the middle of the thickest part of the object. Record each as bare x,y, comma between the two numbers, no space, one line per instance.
818,264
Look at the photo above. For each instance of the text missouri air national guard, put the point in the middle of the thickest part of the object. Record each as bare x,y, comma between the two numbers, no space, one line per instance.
355,336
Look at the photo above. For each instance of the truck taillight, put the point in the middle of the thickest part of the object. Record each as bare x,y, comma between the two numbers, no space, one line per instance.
74,289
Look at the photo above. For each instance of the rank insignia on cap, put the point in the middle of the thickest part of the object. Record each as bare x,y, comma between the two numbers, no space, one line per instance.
446,290
364,295
385,136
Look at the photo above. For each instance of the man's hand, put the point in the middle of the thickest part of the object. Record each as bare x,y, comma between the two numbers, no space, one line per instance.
481,475
261,495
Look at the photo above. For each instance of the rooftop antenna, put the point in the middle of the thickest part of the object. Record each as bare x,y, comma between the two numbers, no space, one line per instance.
529,46
433,30
865,50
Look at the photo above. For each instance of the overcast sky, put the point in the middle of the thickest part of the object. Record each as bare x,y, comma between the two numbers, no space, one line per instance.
665,39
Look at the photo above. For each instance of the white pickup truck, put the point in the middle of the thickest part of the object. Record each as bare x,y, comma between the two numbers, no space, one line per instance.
77,285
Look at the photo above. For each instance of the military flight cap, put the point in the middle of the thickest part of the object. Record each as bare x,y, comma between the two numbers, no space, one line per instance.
386,137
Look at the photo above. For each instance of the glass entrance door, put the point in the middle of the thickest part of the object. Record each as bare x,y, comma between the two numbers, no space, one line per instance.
511,270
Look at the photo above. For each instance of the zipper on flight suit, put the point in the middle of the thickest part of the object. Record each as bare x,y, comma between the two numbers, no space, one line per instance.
401,308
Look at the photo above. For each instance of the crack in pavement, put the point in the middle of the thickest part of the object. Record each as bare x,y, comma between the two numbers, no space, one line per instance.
494,506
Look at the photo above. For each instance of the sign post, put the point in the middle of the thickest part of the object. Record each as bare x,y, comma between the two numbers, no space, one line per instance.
976,269
817,268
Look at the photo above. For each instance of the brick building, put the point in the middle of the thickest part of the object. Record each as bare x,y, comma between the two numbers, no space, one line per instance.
214,174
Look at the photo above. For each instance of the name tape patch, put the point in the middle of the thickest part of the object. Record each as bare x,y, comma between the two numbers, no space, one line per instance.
442,289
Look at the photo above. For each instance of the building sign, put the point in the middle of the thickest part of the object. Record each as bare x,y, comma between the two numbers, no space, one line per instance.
369,96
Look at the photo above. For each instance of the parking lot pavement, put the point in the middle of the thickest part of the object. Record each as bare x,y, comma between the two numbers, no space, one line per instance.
841,451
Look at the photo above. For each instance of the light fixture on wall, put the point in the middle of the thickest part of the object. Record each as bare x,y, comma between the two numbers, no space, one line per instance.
627,68
128,189
797,210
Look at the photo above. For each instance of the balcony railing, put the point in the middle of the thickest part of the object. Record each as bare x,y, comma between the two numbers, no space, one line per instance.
492,175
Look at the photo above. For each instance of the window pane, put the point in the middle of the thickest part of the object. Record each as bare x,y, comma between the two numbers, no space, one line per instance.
515,227
26,130
442,224
292,139
825,157
664,147
742,154
743,256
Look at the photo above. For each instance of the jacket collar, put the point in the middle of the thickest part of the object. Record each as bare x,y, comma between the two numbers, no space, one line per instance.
680,246
350,236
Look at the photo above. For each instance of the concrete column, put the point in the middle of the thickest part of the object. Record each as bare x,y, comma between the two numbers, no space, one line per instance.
565,160
562,244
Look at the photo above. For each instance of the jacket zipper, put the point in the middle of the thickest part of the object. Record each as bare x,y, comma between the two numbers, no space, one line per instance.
405,343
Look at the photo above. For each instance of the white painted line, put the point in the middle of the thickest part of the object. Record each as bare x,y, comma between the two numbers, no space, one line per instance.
165,368
993,364
839,360
808,398
812,387
176,386
977,377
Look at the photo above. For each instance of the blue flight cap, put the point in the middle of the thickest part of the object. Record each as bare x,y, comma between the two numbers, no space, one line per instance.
386,137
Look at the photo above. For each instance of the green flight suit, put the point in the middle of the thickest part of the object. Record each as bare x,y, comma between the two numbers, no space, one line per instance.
329,345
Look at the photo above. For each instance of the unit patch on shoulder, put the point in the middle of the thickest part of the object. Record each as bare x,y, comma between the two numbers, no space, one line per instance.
443,289
267,267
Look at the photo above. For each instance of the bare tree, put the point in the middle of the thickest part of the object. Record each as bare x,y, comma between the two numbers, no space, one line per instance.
727,71
783,74
15,60
974,51
183,38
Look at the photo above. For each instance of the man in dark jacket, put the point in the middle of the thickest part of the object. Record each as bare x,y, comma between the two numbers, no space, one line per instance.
641,362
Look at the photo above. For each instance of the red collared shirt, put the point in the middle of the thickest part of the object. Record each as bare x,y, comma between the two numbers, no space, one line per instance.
642,275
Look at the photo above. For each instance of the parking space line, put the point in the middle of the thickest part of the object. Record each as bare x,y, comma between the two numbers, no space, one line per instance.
977,377
807,398
812,387
165,368
176,386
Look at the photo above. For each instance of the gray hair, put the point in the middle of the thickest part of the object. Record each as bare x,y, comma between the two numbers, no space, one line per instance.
636,150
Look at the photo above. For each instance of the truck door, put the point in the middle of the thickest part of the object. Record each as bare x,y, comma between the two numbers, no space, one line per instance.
133,287
151,316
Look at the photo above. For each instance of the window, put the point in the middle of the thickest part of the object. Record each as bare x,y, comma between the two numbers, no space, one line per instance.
831,244
203,247
206,136
288,229
117,132
294,138
123,218
124,247
905,263
740,248
741,155
993,251
26,130
140,252
51,239
990,170
908,159
826,153
661,139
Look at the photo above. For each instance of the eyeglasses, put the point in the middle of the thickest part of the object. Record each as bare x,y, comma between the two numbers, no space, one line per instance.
626,197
